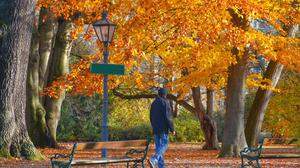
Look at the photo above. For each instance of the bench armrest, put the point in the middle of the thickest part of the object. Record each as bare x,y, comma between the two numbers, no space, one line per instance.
134,151
57,156
249,150
245,150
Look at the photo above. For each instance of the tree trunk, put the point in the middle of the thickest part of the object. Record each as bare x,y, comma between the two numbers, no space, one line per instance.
174,107
262,98
47,32
58,67
234,137
209,102
35,112
207,123
18,16
260,103
41,46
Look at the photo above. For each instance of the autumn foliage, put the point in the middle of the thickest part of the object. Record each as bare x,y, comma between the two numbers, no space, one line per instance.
180,43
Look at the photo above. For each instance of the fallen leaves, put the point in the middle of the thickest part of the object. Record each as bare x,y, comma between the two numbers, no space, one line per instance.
183,155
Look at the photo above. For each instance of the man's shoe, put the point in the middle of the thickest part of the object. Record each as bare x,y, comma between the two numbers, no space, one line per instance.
152,165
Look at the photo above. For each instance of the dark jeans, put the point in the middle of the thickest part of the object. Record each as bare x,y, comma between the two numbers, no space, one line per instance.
161,145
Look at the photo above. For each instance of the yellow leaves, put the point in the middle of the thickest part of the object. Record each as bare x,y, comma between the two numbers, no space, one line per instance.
140,10
158,40
238,12
256,80
134,52
283,49
69,88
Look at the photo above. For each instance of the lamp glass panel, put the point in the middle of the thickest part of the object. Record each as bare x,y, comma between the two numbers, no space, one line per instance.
104,33
98,33
111,32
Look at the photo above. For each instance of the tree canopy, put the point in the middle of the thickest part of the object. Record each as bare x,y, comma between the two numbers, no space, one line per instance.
179,43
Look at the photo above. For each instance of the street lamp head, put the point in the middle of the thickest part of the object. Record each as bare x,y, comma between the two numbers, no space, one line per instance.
104,29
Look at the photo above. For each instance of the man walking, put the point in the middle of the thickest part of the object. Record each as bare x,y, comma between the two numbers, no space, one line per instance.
162,124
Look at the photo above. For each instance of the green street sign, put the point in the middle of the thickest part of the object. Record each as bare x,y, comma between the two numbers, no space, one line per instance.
107,69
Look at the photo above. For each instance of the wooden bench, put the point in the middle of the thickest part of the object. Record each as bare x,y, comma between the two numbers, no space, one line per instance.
133,155
252,154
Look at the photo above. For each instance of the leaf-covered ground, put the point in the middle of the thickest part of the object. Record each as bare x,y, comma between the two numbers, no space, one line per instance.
178,155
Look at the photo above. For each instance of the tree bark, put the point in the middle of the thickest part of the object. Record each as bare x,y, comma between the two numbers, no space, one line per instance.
234,137
207,123
58,67
262,98
41,47
209,102
174,107
47,31
18,15
35,112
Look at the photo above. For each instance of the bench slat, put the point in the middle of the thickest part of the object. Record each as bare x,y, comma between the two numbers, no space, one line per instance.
111,144
99,161
102,161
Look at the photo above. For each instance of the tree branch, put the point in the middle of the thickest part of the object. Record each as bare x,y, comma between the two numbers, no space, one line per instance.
182,103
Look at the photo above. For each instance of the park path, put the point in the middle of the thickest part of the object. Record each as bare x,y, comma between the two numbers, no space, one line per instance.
178,156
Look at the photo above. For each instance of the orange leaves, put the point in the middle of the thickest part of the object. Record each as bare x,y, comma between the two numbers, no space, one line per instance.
81,81
158,40
56,88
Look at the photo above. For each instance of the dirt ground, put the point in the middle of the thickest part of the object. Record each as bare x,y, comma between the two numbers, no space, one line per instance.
177,156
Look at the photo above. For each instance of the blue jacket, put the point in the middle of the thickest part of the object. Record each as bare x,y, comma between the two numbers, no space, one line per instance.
161,116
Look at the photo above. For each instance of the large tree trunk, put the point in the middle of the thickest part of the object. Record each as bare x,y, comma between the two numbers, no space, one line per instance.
207,123
14,53
234,137
262,98
35,112
58,67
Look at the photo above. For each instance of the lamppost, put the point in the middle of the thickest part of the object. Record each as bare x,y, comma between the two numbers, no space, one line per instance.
105,31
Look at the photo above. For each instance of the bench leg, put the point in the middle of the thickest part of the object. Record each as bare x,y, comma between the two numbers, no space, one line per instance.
136,165
258,164
143,164
242,166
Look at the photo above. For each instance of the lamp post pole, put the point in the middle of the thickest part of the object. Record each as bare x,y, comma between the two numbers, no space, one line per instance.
104,30
104,132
